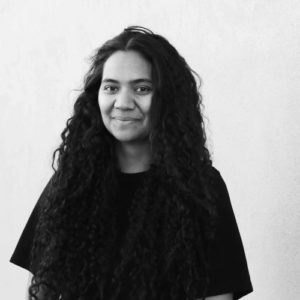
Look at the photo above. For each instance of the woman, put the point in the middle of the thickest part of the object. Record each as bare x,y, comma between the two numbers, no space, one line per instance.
135,209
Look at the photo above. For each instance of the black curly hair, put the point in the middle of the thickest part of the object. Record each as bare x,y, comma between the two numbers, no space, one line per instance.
173,213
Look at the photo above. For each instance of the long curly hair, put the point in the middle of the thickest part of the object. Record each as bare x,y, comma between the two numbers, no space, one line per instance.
172,215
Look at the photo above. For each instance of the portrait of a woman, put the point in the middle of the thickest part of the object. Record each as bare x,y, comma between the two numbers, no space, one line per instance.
135,208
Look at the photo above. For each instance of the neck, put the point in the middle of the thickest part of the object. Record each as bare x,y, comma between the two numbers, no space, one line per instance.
133,158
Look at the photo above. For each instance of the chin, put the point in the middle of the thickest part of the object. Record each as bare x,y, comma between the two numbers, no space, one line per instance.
123,138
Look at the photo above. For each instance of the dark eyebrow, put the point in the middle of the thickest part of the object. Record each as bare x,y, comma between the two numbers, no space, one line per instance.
132,81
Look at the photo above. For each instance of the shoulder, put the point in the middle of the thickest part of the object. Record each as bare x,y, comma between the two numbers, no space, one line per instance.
220,191
216,175
45,194
217,183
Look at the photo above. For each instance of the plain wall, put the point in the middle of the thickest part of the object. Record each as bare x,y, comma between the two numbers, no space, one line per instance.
247,54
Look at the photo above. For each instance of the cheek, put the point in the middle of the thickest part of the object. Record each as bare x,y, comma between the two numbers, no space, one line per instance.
146,106
103,105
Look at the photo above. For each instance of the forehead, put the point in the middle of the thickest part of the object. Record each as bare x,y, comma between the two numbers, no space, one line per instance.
126,65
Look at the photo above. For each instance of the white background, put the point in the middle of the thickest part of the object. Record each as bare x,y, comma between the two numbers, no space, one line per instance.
248,56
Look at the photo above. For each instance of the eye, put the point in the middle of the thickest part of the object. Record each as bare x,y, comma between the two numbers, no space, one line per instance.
143,90
110,89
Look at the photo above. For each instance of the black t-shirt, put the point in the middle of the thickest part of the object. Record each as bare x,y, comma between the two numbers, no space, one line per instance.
229,271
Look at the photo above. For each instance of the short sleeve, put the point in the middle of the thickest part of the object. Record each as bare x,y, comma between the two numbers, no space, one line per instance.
22,253
229,270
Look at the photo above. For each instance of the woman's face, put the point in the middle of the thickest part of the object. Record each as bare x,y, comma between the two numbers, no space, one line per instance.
125,96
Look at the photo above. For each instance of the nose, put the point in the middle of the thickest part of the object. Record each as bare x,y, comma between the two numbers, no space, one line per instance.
124,100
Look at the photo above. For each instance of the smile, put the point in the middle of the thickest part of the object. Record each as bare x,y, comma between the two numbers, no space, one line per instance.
124,119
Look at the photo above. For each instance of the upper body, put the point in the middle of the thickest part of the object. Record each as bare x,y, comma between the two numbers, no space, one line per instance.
229,272
138,114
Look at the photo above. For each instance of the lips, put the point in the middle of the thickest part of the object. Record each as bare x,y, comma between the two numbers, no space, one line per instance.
124,118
